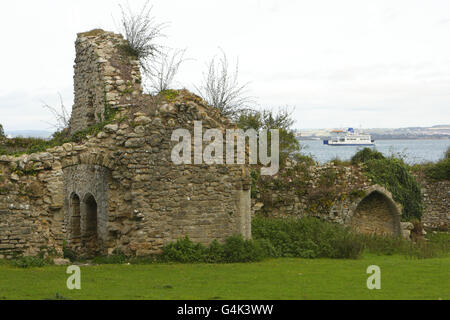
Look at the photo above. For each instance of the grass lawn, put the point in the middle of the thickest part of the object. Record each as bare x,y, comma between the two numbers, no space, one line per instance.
290,279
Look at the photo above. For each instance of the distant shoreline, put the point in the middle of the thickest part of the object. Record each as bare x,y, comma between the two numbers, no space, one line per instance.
377,138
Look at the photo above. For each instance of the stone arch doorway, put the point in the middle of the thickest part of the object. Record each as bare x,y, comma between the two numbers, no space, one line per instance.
75,220
90,184
377,213
90,236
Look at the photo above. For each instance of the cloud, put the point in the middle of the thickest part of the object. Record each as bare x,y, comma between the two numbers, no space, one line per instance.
378,63
21,110
390,14
443,21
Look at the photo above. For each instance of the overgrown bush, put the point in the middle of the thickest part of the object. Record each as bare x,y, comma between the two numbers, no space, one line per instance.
385,245
19,145
235,249
29,262
313,238
305,160
221,89
266,119
118,257
268,249
339,162
394,174
439,238
367,154
142,32
437,171
306,238
440,170
184,251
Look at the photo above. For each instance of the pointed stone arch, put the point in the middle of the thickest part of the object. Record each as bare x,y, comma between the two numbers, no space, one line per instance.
376,213
90,183
75,219
90,232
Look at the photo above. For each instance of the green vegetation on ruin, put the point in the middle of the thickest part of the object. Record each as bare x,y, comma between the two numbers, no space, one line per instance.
313,238
92,33
367,154
308,238
395,176
19,146
297,178
169,95
439,171
128,51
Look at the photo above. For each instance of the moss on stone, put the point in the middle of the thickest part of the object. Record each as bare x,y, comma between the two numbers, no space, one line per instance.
92,33
358,194
169,95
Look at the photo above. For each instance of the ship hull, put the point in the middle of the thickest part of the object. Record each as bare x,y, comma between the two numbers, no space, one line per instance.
337,144
351,145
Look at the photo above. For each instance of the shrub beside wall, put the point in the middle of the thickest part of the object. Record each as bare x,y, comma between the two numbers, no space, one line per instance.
235,249
394,175
306,238
275,238
439,171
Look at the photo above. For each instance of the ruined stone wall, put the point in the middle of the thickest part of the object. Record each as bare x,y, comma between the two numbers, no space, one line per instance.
306,193
310,197
436,200
144,201
172,201
119,189
31,208
338,194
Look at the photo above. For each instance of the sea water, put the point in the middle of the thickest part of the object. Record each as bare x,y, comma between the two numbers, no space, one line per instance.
412,151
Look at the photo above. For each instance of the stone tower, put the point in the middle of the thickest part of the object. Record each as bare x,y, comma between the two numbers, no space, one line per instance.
105,76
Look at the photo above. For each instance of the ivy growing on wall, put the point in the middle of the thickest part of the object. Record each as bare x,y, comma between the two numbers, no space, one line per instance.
394,174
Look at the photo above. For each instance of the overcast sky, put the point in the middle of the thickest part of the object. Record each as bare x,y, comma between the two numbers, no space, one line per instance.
336,63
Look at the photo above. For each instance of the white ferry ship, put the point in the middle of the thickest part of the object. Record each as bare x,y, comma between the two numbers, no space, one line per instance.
349,138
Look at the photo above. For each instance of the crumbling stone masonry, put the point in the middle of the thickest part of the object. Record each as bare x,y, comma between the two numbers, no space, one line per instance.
436,199
101,75
350,199
119,189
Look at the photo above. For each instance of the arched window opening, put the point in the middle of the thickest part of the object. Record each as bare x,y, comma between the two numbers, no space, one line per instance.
90,237
75,217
